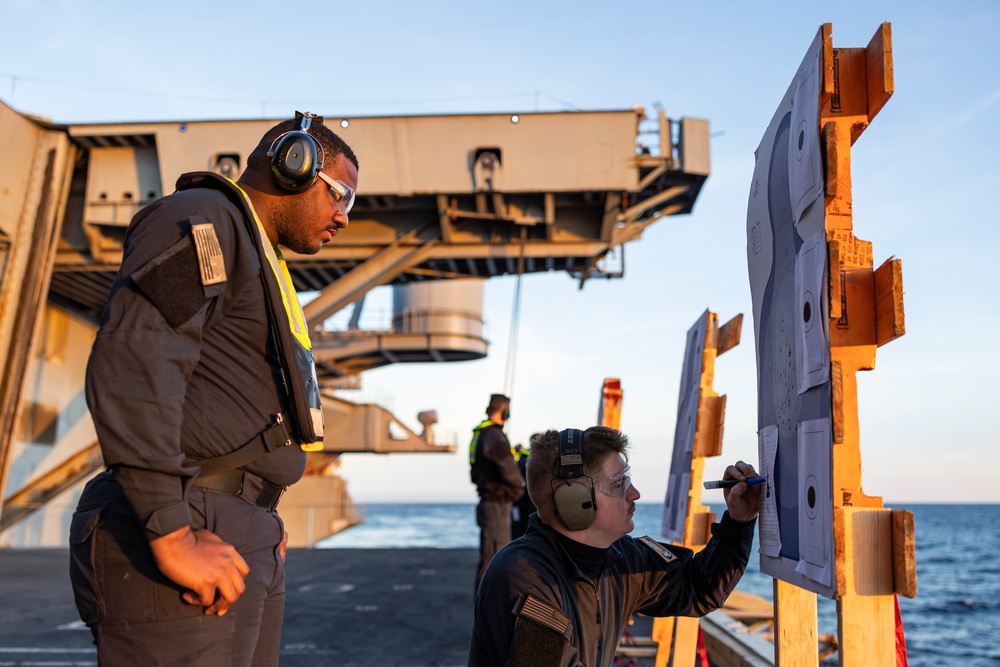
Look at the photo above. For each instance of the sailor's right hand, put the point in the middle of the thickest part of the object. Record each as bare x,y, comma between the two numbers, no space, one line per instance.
211,569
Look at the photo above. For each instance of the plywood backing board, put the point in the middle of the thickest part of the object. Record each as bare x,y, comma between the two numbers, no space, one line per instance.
677,637
872,548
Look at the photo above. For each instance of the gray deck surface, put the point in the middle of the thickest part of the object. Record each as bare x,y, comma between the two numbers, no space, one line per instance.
345,607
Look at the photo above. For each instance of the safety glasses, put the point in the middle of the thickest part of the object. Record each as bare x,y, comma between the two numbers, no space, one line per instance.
341,192
615,486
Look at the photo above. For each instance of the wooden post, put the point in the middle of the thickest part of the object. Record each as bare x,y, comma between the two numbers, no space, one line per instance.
677,638
806,263
796,634
865,606
609,412
870,314
873,546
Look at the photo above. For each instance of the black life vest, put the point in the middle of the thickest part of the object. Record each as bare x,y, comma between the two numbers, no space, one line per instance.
288,324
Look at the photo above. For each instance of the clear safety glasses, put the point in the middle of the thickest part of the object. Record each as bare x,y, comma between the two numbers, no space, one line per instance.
341,192
615,486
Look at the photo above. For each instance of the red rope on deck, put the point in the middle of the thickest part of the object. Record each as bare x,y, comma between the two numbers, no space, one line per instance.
901,660
702,651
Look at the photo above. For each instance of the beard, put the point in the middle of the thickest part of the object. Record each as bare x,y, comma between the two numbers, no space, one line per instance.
290,223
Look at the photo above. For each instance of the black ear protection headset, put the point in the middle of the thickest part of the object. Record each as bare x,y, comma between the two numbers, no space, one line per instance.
296,156
574,501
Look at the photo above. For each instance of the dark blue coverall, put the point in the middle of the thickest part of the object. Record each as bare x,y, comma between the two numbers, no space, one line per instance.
180,369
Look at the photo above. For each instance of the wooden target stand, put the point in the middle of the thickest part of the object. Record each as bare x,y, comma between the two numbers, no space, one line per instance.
609,411
679,635
874,545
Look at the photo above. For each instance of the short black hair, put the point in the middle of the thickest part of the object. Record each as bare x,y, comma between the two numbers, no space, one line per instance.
497,402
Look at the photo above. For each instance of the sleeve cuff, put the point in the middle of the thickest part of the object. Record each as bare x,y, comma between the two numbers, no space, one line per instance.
736,533
158,499
168,519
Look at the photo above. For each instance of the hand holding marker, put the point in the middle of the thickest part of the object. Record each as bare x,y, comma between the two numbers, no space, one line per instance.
730,483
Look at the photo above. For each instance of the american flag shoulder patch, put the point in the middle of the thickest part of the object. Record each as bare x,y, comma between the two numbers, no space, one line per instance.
535,610
210,260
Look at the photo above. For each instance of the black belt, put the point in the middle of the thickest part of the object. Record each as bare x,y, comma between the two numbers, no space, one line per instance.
223,473
237,483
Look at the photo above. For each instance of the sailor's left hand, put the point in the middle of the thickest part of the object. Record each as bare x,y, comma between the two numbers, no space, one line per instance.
283,547
742,501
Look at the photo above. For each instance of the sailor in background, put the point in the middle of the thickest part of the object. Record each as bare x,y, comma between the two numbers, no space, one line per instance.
497,479
204,396
562,594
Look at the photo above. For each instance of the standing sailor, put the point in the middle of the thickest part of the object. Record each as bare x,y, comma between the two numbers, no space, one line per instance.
497,479
204,396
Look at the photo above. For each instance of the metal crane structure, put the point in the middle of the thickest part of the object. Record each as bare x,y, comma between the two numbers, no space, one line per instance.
446,201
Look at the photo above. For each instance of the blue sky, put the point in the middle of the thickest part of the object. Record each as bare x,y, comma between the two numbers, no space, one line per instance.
924,173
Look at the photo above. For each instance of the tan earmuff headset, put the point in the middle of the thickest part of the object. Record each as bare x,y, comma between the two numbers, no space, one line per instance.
573,499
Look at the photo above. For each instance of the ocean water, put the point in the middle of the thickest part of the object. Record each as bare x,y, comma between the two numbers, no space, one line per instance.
953,621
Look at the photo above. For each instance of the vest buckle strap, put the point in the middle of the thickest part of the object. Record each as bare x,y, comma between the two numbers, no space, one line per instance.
275,436
237,483
269,496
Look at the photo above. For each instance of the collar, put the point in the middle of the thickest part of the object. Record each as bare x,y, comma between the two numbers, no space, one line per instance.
556,540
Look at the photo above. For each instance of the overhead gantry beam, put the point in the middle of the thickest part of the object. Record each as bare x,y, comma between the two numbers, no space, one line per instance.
382,267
